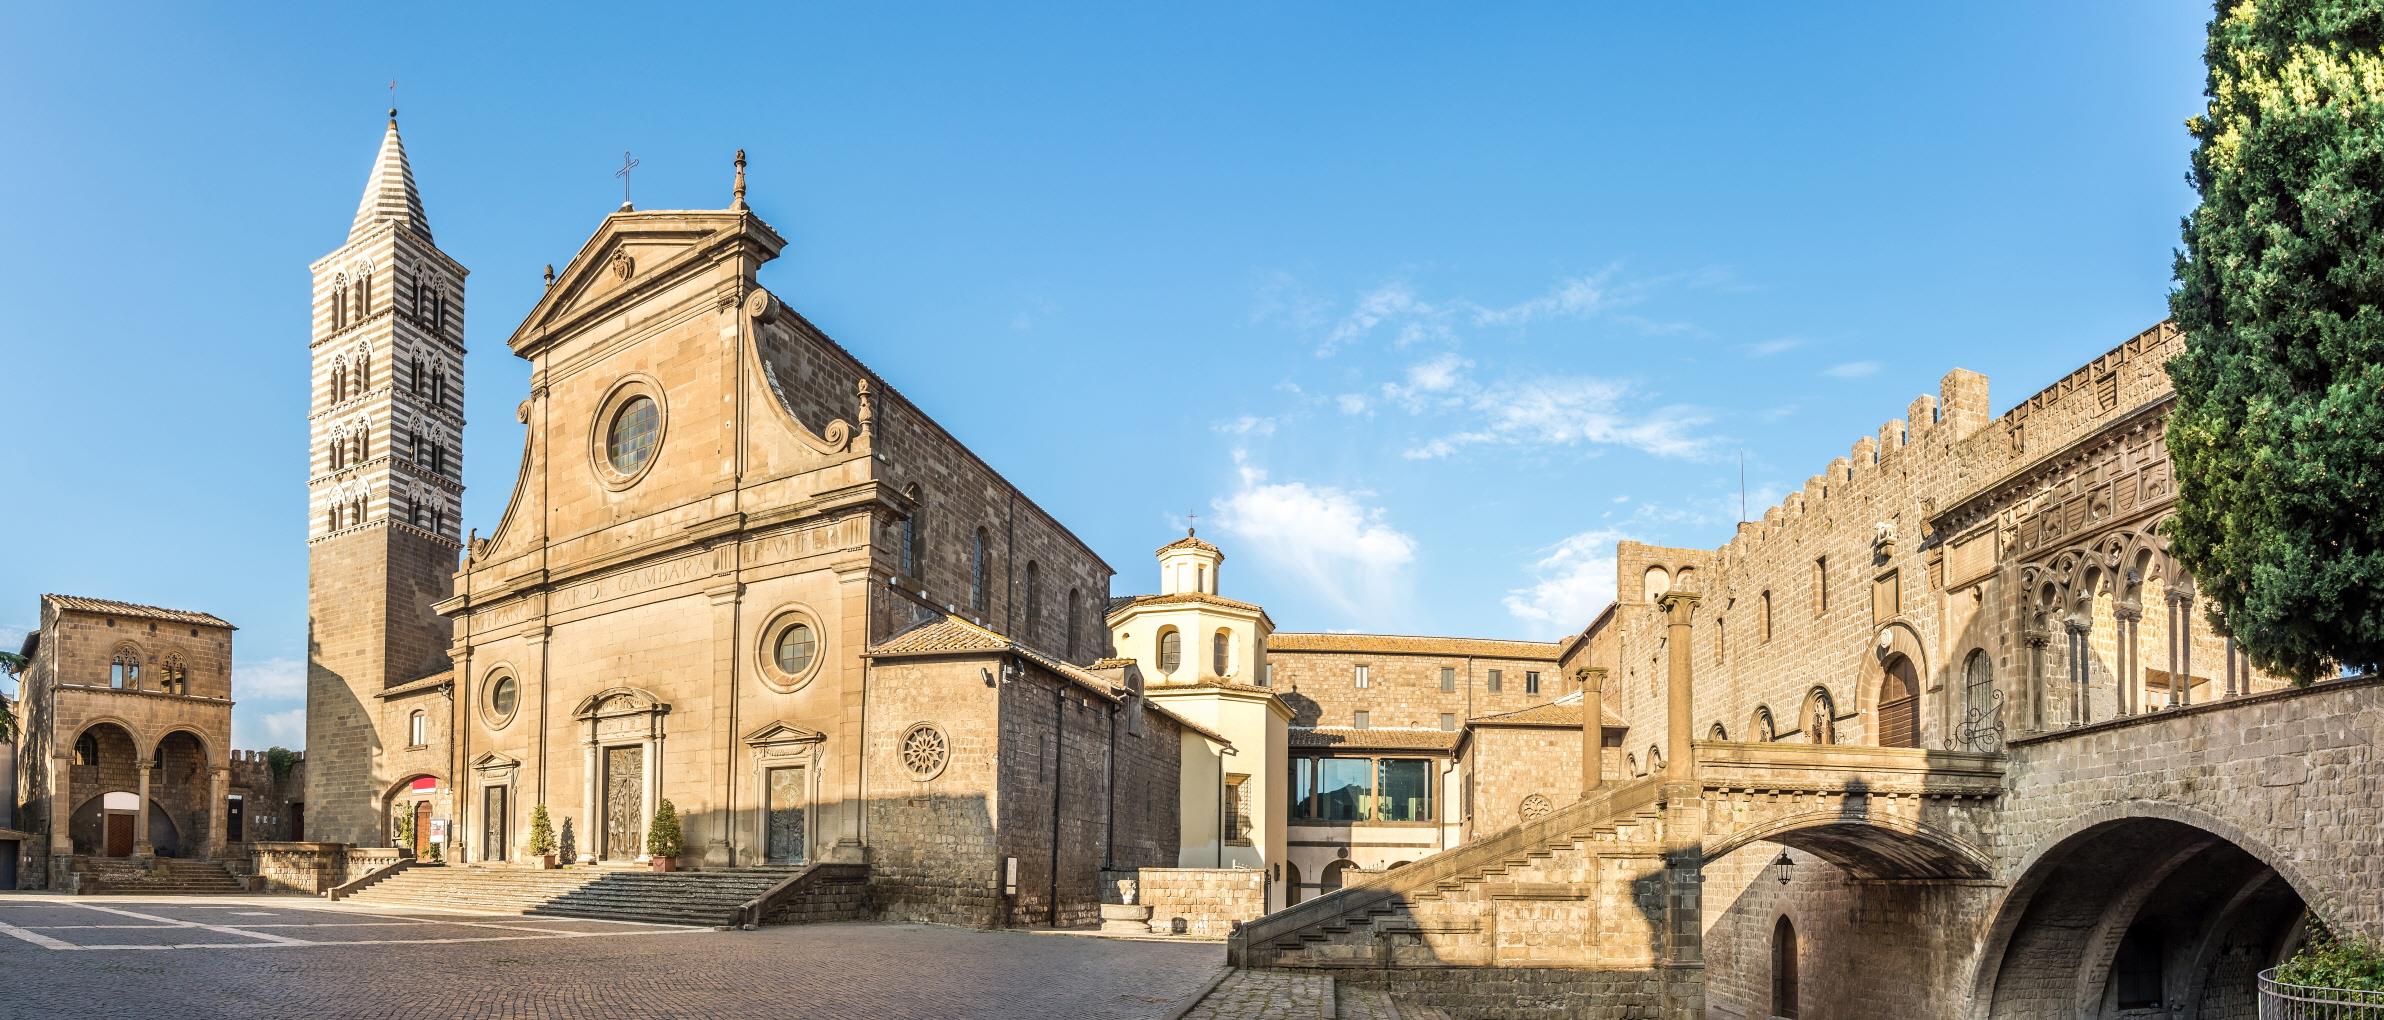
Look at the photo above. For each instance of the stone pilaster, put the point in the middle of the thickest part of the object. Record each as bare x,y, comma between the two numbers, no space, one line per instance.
1593,730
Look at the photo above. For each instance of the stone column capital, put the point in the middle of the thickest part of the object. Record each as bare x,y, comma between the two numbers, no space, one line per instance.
2127,612
1593,678
1678,604
144,766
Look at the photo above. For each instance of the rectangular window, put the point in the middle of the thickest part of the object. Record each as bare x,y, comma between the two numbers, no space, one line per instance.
1237,810
1531,682
1448,721
1362,789
1358,675
1448,679
1266,677
1361,719
1496,681
1820,585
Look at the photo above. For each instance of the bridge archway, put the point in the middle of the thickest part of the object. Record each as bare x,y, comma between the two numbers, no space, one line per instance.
2145,906
1867,847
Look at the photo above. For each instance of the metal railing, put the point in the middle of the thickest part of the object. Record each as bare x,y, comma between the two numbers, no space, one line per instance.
2281,1001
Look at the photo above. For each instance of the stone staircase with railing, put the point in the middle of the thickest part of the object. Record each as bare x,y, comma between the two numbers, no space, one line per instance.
162,876
605,892
1578,888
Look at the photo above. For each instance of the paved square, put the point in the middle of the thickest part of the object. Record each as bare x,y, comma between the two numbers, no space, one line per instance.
284,957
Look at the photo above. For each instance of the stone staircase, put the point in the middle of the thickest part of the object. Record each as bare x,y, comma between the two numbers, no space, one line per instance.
1281,994
163,876
615,893
1529,896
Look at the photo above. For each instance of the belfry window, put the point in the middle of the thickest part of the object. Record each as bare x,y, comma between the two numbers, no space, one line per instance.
1171,650
1221,653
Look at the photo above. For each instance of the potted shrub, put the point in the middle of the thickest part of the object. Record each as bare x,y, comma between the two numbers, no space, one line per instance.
542,838
402,833
663,839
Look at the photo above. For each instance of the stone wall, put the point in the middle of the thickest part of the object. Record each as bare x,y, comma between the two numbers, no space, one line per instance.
307,869
1404,685
1505,766
934,854
826,892
1203,903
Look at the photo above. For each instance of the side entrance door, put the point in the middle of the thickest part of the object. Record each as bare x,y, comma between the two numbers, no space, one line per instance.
495,843
119,835
422,830
235,821
624,802
785,831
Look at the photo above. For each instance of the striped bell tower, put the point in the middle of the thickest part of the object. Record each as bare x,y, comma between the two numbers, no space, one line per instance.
384,488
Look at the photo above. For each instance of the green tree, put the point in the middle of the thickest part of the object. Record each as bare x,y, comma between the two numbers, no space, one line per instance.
663,839
14,665
2278,435
542,832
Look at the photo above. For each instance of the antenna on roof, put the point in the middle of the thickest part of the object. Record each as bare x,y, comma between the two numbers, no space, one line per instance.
1742,486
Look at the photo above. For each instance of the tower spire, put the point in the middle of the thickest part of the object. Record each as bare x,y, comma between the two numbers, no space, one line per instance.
389,193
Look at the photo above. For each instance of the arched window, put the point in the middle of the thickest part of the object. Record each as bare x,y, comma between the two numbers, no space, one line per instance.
908,551
363,296
339,380
438,313
1783,969
1763,619
1034,600
1630,764
87,749
1821,724
339,301
1221,653
1721,639
1291,883
1073,612
363,368
125,672
418,729
1334,873
1655,583
1655,760
1171,650
978,571
1899,704
415,383
1718,734
1978,685
1766,730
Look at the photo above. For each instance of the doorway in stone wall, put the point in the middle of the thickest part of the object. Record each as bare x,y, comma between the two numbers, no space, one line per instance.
624,802
1899,704
422,830
783,828
1783,970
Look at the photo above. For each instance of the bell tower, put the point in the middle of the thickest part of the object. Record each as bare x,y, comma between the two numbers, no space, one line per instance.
384,490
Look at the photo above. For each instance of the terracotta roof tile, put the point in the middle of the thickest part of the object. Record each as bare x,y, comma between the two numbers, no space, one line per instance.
953,635
1183,598
1191,542
1563,712
1383,739
1412,644
90,605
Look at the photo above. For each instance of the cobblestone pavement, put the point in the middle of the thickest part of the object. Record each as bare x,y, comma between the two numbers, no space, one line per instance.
119,958
1264,995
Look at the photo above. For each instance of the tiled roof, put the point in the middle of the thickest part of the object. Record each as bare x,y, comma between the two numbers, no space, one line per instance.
435,680
1113,662
1411,644
1352,738
1182,598
951,635
1564,713
1189,724
89,605
1190,542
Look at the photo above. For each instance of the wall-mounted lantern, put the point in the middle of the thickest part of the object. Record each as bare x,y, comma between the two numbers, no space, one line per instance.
1783,866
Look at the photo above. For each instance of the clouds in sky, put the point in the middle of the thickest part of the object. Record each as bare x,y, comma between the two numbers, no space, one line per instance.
1332,541
1545,410
1568,584
1852,370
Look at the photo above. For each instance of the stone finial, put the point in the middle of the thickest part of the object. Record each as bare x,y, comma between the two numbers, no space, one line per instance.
550,274
867,414
739,191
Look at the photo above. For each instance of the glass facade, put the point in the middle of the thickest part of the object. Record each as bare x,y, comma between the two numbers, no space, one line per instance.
1363,789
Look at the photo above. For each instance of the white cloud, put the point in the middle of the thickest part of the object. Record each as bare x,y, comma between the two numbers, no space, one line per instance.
1328,538
258,729
269,679
1571,411
1852,370
1432,377
1352,403
1570,299
1767,348
1246,425
1570,583
1394,304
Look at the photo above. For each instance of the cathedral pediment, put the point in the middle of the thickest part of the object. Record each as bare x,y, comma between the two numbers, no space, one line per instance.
779,733
639,252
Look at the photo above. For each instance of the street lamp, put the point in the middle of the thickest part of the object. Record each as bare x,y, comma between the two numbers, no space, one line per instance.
1783,866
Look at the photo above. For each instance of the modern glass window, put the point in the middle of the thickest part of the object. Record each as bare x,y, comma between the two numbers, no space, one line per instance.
629,440
1448,679
1368,788
1497,681
794,649
1531,681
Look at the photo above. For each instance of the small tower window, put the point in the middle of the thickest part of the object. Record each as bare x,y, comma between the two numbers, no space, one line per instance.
1171,651
418,729
1221,653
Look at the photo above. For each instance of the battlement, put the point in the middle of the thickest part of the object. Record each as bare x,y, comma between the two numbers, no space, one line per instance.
1957,411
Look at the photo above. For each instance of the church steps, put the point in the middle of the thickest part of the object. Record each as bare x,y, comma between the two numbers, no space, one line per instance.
104,876
608,893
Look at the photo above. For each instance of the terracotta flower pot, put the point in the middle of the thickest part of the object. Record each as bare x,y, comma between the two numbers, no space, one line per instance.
665,863
546,862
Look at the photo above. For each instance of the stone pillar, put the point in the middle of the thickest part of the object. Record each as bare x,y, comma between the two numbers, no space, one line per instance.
1679,729
61,807
1681,961
2131,683
2184,677
219,793
1593,730
651,792
2080,671
140,820
2232,689
589,839
2037,640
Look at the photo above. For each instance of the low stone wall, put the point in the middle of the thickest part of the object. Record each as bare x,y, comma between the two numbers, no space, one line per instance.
1201,902
825,892
1471,993
311,869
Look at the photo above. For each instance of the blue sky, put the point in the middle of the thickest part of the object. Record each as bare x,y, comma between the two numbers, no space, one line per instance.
1419,307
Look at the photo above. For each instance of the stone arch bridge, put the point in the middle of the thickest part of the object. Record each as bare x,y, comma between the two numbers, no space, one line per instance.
2151,863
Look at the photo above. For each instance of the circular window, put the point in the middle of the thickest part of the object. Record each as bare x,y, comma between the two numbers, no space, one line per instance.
502,697
794,649
925,752
1535,807
629,441
789,652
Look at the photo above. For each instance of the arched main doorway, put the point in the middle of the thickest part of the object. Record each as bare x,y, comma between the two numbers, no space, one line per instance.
1783,969
2139,916
1899,704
